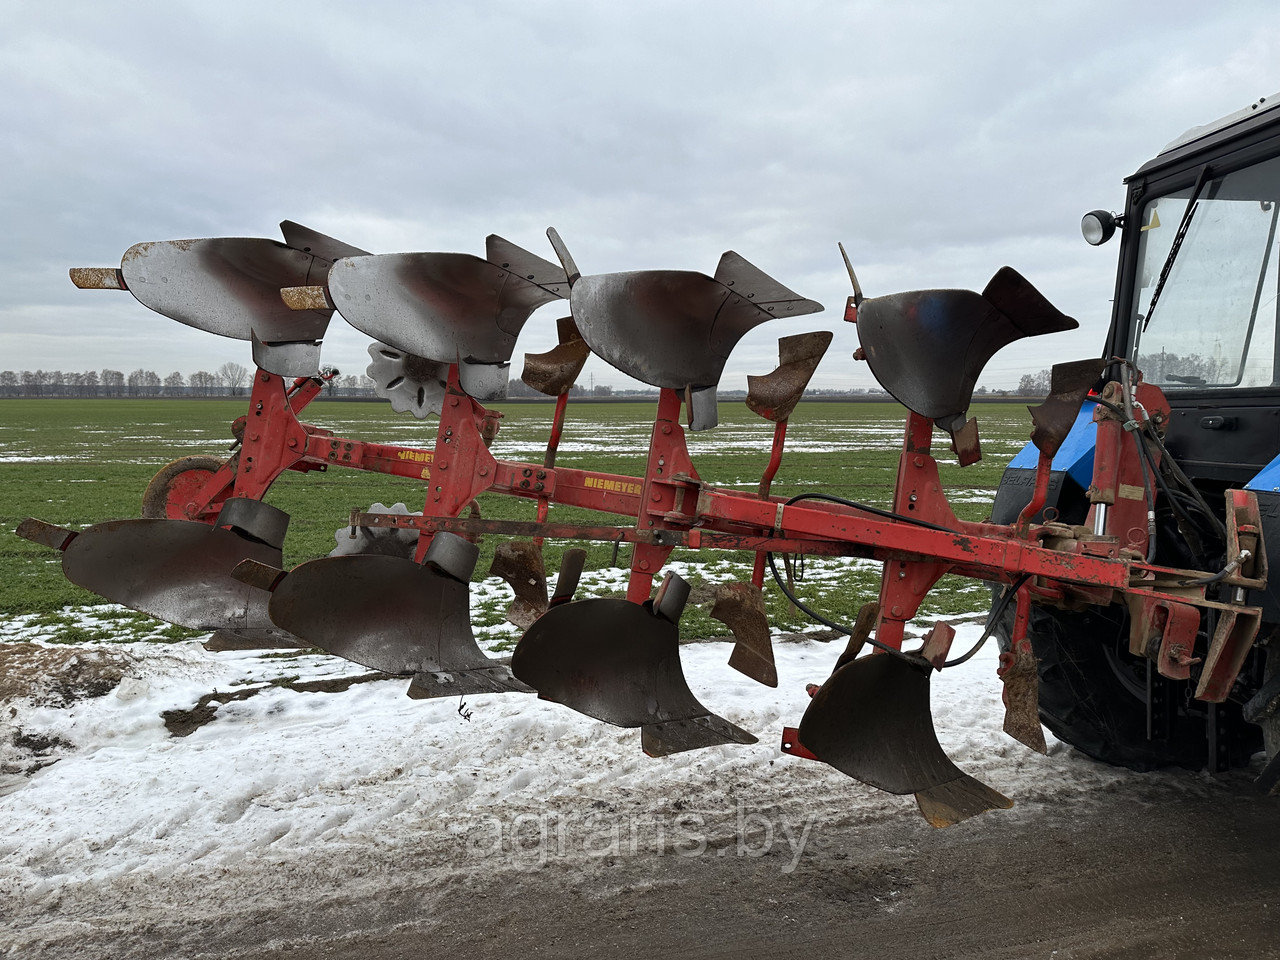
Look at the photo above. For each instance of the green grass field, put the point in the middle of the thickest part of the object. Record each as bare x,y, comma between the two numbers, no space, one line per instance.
75,463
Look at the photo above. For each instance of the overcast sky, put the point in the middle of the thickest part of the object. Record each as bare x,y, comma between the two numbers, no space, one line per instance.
938,141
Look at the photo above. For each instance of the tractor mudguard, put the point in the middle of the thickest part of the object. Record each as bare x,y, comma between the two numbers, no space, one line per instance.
1266,486
1070,477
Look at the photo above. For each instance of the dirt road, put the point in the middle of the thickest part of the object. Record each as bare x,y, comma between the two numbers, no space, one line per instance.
1185,868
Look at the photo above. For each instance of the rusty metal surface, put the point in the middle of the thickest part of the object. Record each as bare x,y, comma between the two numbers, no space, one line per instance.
948,803
740,607
774,395
609,659
1069,384
1244,533
387,613
966,443
97,278
519,563
509,528
411,383
175,570
446,306
1232,639
314,297
1022,697
555,371
694,539
928,347
264,576
937,643
1163,630
488,433
44,533
871,720
676,328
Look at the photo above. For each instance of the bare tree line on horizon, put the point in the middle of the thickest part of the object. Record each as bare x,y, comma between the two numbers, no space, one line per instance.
229,380
232,380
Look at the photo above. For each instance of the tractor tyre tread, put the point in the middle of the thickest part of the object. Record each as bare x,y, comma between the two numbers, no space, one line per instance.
1084,703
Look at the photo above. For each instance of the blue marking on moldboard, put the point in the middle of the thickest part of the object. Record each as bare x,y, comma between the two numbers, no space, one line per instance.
1075,456
1268,478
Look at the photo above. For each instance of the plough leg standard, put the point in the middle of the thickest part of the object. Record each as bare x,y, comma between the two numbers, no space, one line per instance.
208,552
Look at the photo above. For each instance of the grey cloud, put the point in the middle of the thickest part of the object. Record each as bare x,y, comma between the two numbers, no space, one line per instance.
939,141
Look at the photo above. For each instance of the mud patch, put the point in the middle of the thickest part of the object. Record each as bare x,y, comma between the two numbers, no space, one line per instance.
32,751
26,753
58,676
183,723
38,743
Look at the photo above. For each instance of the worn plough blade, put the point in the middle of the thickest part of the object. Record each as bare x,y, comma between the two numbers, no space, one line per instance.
619,662
928,347
676,328
1022,699
230,286
393,615
1069,384
774,395
554,372
740,607
519,563
871,720
449,307
175,570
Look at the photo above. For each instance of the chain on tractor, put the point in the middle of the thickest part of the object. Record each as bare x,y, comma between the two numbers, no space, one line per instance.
394,595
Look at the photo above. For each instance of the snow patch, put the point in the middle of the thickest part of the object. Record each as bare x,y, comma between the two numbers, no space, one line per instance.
287,775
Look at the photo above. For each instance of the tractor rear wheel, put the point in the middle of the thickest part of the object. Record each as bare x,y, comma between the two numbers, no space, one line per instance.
176,485
1093,694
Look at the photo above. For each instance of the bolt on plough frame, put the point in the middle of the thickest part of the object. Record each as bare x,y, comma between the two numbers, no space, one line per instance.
207,553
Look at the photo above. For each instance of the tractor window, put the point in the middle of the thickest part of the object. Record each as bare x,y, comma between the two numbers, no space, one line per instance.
1214,323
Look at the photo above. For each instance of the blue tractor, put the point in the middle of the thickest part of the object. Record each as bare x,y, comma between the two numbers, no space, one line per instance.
1196,312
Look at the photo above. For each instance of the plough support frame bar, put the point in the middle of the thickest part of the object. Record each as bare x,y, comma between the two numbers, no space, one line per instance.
673,508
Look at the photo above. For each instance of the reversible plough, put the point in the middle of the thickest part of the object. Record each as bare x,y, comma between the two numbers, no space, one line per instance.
207,552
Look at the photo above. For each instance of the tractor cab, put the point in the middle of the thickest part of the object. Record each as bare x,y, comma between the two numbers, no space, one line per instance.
1194,315
1196,299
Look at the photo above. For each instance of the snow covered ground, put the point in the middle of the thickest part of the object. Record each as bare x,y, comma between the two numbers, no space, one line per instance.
331,790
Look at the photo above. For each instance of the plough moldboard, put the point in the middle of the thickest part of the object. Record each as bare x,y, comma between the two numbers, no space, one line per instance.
207,551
